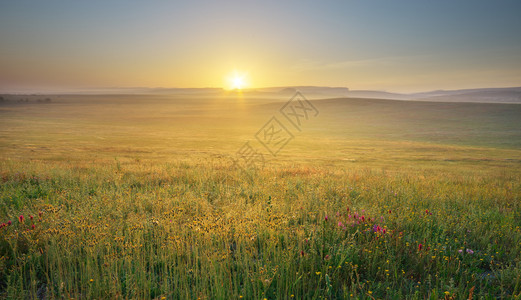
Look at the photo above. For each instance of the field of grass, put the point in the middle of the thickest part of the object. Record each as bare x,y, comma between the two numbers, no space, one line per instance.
137,197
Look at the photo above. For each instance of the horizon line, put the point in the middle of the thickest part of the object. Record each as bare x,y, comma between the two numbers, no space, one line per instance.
121,90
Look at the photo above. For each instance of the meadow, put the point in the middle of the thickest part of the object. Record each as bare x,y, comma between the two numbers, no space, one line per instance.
137,196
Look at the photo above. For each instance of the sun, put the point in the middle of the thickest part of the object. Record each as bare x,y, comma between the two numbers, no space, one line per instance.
237,81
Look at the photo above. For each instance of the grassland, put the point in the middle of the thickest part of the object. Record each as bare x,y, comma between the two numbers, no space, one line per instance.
136,197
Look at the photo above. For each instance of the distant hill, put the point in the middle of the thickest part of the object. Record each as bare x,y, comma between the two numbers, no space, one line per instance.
485,95
491,95
378,95
482,95
308,91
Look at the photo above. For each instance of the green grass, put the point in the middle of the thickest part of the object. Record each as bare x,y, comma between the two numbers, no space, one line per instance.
123,209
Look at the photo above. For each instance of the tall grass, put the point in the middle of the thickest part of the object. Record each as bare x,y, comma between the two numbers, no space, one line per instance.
204,230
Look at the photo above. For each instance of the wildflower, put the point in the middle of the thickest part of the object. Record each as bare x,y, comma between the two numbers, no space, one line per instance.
32,226
390,211
9,223
326,218
302,253
31,217
362,218
318,273
469,251
21,218
326,257
340,224
420,246
348,209
460,251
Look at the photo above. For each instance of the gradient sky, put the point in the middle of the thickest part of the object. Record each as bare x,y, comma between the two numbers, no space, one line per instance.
402,46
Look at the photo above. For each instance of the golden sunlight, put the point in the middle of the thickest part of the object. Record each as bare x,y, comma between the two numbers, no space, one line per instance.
237,81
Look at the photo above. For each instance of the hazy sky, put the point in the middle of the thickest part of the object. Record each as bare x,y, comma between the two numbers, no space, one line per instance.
387,45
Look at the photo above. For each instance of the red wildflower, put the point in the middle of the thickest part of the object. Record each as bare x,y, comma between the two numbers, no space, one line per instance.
21,218
32,226
301,253
420,246
9,223
326,218
31,217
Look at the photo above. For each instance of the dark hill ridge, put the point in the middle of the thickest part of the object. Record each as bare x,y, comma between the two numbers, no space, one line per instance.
459,123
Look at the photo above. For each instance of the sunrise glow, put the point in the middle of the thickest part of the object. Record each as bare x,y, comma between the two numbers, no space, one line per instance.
237,81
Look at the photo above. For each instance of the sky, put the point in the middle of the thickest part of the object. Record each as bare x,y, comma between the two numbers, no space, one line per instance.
397,46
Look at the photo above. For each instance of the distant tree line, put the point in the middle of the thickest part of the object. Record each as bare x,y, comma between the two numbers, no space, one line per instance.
4,99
